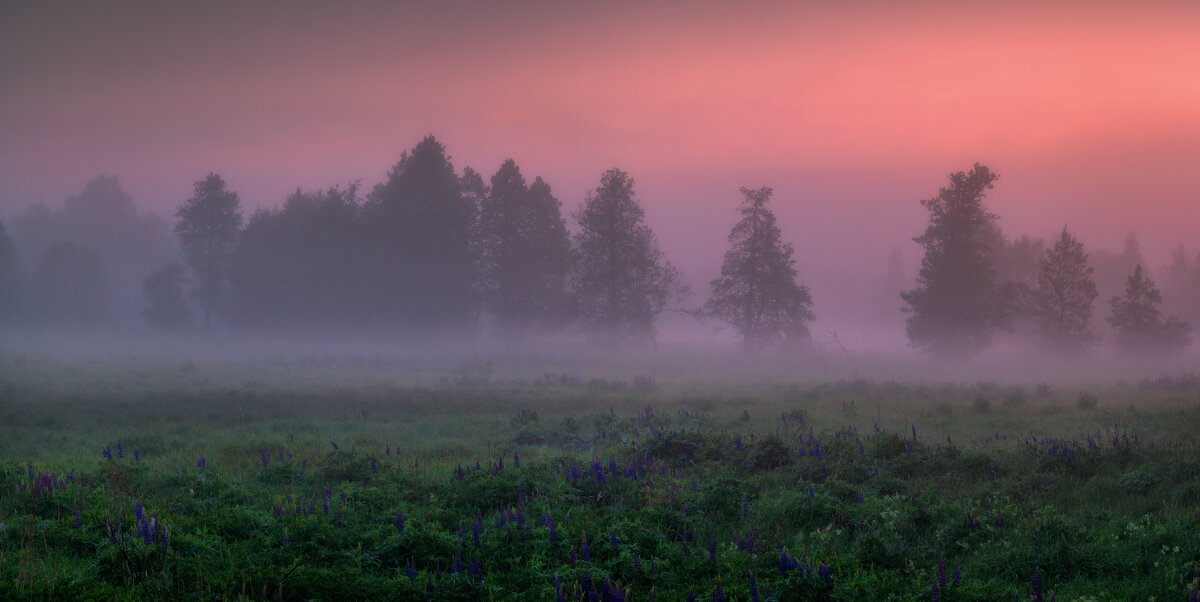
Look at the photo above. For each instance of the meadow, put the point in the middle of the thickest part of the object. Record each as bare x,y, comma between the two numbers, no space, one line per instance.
372,479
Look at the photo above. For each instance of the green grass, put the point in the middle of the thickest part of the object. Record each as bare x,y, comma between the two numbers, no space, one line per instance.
1002,482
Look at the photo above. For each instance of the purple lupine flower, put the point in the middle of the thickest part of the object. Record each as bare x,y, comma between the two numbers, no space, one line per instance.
410,571
334,444
1037,585
745,507
612,537
941,574
263,458
718,595
753,588
120,451
137,456
956,577
107,453
516,459
476,524
374,465
712,549
458,472
278,510
400,522
553,529
587,554
201,462
78,521
737,442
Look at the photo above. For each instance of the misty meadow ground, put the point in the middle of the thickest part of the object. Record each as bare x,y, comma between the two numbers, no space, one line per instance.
301,481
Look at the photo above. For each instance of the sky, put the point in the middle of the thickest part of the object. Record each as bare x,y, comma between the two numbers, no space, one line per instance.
851,111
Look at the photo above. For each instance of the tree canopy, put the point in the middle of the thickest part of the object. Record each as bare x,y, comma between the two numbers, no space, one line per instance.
1139,324
958,302
757,293
1065,294
622,281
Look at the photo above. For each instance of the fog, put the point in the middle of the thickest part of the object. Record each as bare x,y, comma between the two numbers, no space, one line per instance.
354,242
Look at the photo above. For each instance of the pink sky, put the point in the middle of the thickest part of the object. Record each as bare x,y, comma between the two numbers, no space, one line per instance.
851,111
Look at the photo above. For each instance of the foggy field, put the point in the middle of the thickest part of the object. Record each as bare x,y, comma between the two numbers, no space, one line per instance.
464,477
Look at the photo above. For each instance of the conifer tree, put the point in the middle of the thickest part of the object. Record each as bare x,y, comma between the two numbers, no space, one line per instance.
1063,300
757,293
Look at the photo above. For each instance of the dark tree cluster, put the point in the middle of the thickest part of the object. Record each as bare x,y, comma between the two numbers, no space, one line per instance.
973,282
81,265
426,252
431,251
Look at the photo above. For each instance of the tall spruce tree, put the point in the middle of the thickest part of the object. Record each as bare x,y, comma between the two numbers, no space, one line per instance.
1139,324
420,224
957,303
621,281
525,253
757,293
208,229
1065,294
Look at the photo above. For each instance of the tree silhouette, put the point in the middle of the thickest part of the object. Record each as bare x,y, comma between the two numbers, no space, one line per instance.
70,287
168,309
1062,302
757,292
1139,324
421,226
302,264
525,253
10,278
957,303
102,217
208,228
621,280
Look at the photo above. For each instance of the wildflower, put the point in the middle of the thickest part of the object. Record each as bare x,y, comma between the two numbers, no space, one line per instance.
753,588
399,522
335,445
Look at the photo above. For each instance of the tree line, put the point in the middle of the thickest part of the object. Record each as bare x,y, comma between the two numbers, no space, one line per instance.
434,251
